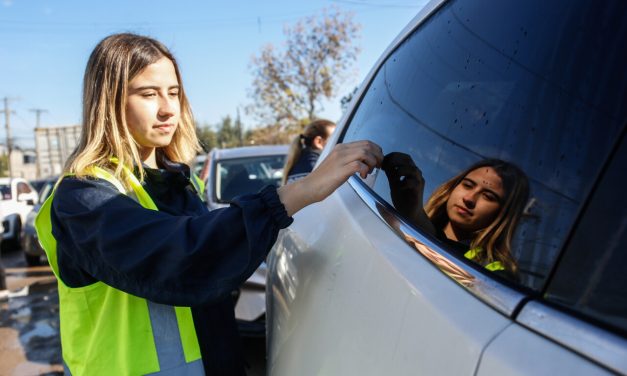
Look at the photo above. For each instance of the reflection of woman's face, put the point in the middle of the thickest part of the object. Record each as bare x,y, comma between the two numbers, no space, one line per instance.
474,202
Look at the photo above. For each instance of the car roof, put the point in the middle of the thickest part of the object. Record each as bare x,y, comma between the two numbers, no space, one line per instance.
248,151
5,181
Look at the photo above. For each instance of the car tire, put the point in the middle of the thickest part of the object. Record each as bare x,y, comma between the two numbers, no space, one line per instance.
15,242
32,260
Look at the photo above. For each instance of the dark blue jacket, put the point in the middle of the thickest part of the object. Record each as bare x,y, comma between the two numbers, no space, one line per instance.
304,165
180,255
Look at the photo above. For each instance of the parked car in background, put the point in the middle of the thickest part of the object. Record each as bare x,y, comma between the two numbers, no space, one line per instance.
33,253
230,173
247,169
17,200
356,288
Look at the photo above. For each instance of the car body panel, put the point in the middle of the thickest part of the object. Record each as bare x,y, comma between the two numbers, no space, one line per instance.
30,242
428,325
15,207
518,351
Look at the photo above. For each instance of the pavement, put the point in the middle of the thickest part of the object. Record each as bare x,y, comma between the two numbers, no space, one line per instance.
29,320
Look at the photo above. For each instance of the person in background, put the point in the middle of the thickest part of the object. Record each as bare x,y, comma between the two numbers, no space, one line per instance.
476,212
145,272
305,150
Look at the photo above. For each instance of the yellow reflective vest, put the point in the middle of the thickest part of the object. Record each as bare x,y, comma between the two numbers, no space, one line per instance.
105,331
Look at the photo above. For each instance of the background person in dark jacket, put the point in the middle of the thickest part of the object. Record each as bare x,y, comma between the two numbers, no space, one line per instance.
305,150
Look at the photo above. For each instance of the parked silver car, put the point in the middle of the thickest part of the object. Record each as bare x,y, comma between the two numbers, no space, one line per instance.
33,253
357,287
230,173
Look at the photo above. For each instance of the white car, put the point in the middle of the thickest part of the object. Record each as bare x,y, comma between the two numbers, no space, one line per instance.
230,173
356,288
247,169
17,200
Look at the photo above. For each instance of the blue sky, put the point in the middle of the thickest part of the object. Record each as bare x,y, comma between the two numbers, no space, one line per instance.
44,45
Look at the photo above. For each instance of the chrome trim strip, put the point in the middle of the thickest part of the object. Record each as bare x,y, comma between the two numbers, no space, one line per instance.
605,348
502,298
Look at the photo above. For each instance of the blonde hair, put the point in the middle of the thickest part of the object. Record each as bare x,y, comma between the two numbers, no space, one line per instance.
115,61
314,129
495,239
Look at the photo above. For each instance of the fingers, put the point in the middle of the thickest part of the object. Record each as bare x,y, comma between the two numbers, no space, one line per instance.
362,156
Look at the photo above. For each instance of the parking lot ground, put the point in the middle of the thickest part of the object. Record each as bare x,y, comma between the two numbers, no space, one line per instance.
29,320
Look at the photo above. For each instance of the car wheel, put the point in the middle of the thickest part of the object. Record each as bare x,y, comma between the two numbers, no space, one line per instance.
32,260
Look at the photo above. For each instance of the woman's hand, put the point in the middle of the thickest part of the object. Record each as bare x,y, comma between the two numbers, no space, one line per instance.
406,188
343,161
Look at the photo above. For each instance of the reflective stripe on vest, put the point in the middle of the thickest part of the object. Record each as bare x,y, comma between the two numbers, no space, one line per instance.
105,331
473,253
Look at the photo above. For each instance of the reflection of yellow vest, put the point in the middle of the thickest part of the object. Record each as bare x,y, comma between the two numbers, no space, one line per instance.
473,253
105,331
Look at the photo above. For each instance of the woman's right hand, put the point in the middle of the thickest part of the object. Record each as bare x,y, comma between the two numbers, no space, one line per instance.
341,163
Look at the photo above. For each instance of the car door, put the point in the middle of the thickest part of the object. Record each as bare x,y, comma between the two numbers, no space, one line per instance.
354,287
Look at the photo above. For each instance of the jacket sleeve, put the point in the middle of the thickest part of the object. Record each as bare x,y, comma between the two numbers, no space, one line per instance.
165,258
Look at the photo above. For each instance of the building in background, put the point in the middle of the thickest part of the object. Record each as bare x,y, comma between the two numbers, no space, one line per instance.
53,145
23,162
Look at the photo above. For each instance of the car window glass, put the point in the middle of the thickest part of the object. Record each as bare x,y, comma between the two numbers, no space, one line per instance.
5,190
529,83
591,275
247,175
23,188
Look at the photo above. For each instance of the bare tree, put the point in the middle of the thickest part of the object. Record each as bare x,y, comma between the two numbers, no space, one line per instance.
290,84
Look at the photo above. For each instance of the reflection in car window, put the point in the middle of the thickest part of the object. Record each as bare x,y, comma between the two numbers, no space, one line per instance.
591,276
539,91
247,175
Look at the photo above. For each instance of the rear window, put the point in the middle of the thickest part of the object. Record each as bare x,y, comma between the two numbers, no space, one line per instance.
234,177
537,84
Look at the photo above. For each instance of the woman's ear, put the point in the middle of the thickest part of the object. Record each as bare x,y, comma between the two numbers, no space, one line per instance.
318,142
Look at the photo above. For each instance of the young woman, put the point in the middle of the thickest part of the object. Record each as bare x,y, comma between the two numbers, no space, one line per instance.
131,242
476,211
305,150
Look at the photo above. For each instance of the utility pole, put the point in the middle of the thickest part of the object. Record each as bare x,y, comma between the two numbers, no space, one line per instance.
38,112
7,118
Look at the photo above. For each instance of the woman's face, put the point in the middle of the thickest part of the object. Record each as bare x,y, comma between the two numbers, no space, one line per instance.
475,202
152,107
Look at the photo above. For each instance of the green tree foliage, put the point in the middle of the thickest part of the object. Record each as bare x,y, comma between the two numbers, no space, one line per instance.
289,84
4,165
206,136
229,134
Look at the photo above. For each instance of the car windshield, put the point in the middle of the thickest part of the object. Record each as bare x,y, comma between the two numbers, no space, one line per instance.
5,190
235,177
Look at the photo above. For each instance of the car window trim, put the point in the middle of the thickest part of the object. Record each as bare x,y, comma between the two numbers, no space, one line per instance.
497,295
602,347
